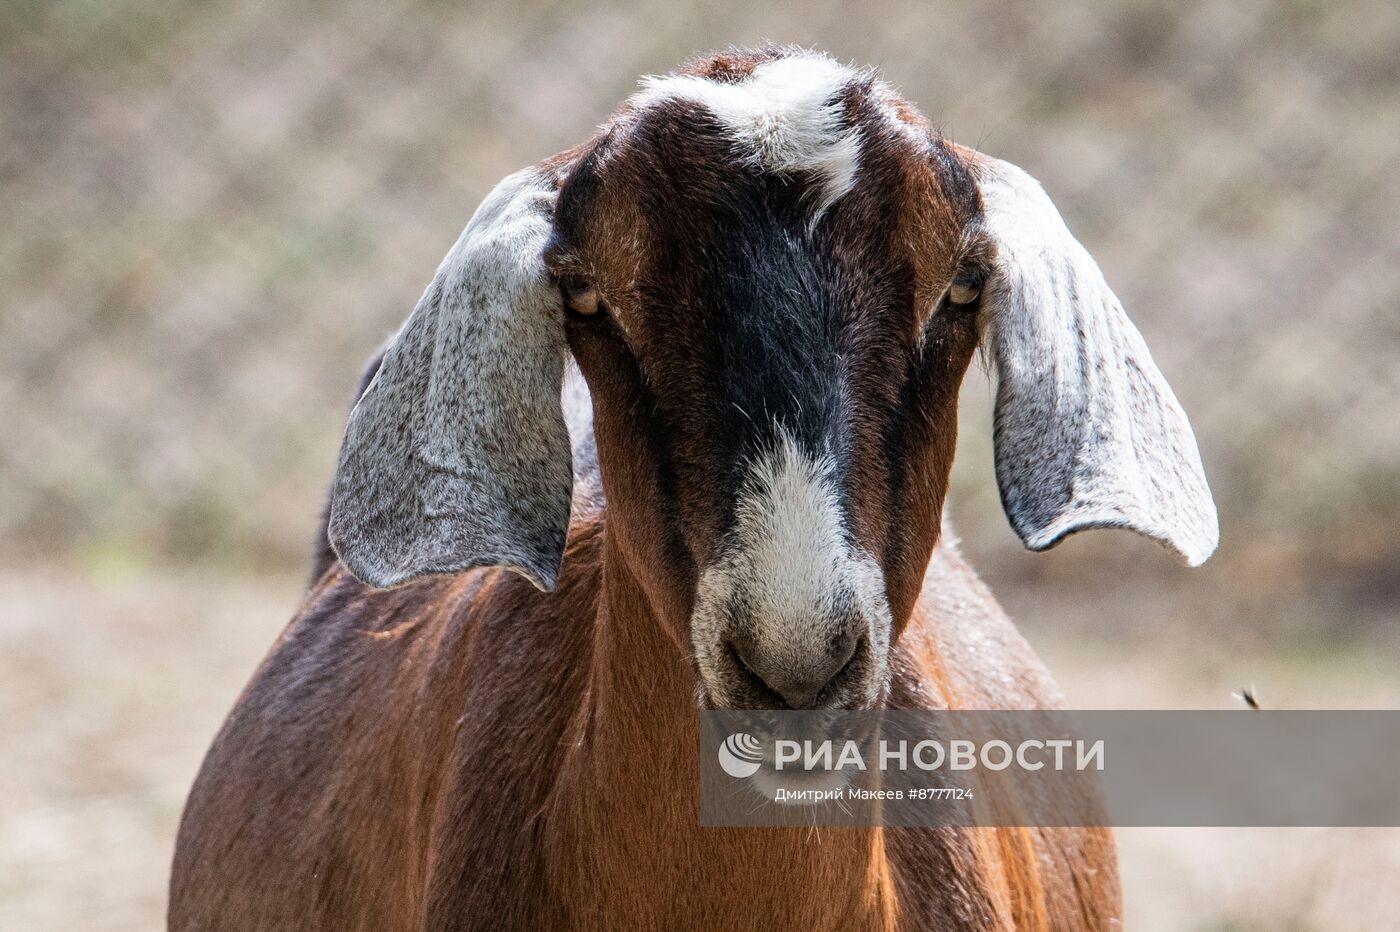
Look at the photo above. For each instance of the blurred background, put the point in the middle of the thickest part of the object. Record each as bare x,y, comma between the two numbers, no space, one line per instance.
212,212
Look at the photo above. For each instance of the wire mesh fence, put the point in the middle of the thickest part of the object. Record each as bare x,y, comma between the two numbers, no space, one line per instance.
213,212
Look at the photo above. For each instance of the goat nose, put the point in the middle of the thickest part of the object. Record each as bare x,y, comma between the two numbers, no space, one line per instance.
799,683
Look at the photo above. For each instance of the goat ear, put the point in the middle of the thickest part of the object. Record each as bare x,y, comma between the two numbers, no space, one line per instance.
1088,434
457,454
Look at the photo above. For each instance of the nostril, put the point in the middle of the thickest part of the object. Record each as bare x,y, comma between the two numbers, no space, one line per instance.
759,694
843,650
795,683
845,658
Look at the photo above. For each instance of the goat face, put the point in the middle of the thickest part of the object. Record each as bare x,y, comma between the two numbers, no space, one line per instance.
777,275
772,258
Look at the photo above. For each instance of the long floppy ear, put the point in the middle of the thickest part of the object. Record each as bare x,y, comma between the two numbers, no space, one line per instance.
457,454
1088,433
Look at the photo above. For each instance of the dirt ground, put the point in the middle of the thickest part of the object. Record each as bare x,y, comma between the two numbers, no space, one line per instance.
113,687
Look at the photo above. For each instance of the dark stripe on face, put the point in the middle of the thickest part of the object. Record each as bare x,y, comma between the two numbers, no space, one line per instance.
758,317
778,312
742,313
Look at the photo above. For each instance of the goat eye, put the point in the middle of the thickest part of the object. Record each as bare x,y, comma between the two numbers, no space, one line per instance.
580,297
963,293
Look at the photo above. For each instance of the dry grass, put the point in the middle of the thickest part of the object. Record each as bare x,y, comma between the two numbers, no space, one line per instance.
114,686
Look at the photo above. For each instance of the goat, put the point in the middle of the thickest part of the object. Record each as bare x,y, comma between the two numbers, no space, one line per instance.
671,429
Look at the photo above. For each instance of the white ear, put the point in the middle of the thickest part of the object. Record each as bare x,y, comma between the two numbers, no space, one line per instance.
1088,433
457,455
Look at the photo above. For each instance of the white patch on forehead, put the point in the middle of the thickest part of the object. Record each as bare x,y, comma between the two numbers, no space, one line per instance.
788,111
790,562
